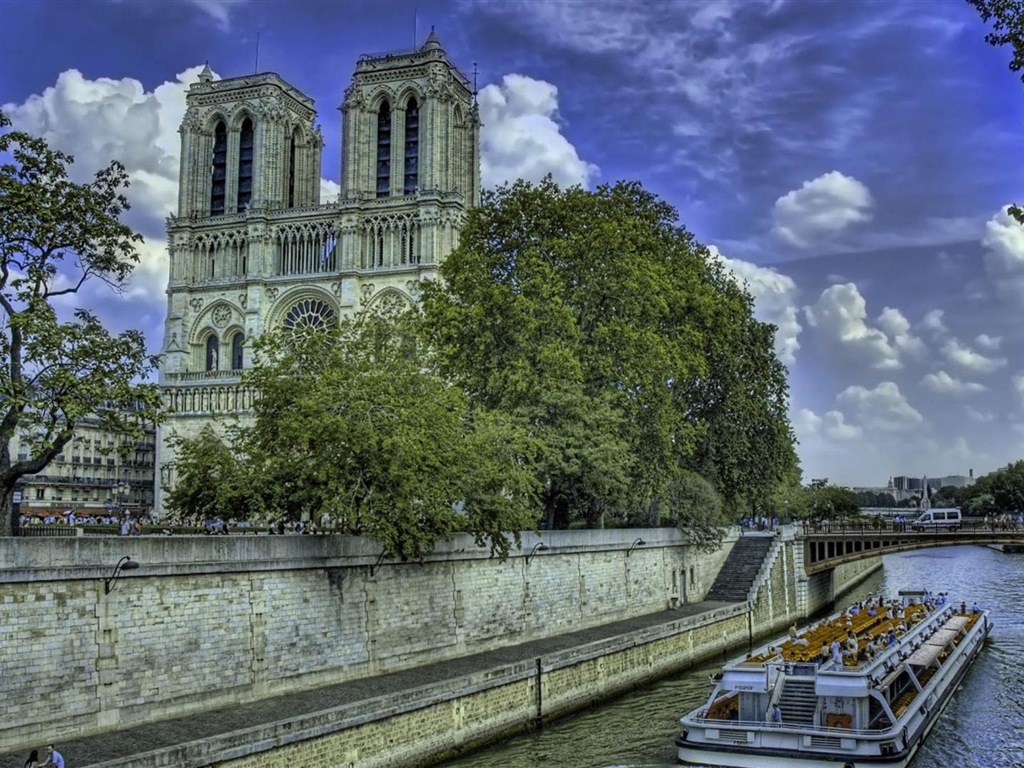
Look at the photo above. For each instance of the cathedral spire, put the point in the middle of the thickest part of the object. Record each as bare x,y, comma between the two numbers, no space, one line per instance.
432,42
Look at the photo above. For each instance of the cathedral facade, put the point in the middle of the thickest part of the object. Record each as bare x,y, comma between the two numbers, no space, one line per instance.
252,247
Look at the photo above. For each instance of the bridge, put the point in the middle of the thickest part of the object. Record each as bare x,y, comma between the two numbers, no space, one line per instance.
826,546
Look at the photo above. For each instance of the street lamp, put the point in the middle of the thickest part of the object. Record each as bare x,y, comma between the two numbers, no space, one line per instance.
124,564
636,543
540,546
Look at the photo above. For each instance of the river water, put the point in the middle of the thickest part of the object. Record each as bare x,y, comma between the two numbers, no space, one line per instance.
983,727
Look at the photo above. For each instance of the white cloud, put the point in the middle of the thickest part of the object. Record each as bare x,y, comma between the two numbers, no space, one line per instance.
104,119
329,191
1004,259
220,10
883,407
1018,385
841,315
806,423
964,356
892,323
774,302
990,343
932,322
821,208
521,138
835,427
945,384
979,417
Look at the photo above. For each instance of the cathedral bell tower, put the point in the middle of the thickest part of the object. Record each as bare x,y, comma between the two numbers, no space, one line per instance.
247,142
252,248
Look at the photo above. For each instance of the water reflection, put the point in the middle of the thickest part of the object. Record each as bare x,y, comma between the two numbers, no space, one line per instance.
983,727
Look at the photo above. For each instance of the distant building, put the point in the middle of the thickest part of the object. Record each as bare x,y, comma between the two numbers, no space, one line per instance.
90,476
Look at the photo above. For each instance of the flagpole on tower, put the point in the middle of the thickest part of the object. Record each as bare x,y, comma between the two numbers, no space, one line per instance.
415,27
256,65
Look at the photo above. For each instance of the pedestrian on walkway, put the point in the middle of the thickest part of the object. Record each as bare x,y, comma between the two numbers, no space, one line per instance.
53,758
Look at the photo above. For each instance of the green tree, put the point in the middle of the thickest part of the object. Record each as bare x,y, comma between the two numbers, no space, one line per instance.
352,421
56,236
211,479
696,508
626,350
830,501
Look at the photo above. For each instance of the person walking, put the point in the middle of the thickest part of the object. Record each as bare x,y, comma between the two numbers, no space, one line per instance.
33,759
53,758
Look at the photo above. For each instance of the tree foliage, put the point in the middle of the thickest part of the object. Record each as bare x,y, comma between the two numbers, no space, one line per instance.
56,236
999,491
212,480
824,500
626,350
351,421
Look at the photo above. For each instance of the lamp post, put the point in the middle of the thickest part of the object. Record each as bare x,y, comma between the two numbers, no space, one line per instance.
540,546
636,543
124,564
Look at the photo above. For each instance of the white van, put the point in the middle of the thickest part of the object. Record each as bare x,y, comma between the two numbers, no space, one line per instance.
938,519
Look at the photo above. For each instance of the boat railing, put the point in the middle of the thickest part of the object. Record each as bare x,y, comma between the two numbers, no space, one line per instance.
815,730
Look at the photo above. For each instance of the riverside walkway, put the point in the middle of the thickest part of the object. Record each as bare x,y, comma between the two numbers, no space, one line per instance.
221,734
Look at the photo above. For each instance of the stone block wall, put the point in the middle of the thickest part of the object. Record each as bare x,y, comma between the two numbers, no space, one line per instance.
212,621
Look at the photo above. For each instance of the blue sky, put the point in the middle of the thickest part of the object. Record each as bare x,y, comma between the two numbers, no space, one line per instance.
850,160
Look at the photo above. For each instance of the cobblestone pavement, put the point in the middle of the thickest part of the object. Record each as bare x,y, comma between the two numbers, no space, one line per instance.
81,752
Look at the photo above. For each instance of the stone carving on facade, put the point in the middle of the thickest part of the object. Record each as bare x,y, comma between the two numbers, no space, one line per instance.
221,315
243,300
412,287
367,291
336,287
272,292
354,98
196,303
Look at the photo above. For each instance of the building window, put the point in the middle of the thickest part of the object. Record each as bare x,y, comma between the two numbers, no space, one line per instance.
211,353
220,167
412,147
384,150
309,313
291,173
245,151
236,352
40,494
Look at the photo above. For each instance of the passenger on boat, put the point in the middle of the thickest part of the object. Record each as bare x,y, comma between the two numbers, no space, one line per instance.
825,653
975,608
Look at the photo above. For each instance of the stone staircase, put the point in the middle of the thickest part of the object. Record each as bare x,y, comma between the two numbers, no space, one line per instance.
798,701
740,569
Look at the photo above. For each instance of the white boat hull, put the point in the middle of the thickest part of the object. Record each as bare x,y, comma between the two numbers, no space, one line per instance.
734,744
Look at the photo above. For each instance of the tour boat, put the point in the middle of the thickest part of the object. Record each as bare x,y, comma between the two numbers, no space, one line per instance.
864,687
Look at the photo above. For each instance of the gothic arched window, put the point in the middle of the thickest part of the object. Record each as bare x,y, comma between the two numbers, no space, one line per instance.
309,313
412,147
245,152
291,169
384,150
236,351
211,352
220,167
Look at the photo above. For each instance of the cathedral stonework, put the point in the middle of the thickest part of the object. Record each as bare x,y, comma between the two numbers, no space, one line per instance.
252,246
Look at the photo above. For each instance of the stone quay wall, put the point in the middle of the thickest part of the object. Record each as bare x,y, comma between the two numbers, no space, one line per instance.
207,622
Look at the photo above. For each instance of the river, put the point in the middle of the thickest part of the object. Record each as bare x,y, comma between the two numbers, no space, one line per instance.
983,727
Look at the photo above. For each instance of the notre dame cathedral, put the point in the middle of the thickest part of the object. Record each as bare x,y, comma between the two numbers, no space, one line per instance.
252,245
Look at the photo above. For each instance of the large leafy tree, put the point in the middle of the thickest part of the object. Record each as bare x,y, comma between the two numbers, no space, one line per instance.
56,236
212,481
621,344
351,421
